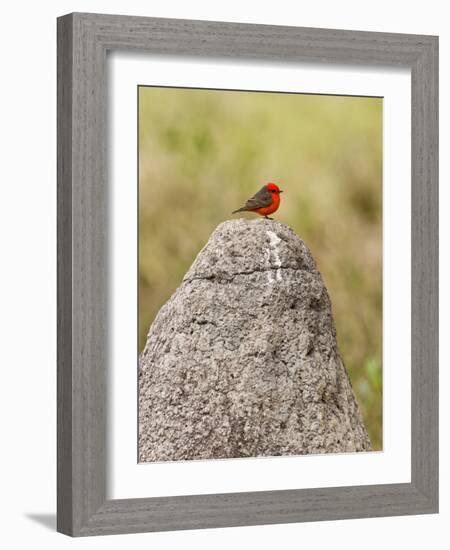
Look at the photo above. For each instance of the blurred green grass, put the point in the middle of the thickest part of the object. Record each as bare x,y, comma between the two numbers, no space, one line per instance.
202,153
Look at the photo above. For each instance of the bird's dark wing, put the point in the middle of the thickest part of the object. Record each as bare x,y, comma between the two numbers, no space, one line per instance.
261,199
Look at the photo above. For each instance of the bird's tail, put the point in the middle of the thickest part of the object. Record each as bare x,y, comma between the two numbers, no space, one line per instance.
243,209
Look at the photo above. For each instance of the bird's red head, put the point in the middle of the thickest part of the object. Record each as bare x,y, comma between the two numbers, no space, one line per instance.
273,188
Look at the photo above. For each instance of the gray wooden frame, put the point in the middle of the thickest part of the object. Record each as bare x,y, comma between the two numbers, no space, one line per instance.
83,41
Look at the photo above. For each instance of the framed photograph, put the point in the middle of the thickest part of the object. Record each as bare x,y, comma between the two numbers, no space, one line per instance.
247,274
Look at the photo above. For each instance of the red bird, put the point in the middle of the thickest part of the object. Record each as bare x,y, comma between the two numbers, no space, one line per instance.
266,201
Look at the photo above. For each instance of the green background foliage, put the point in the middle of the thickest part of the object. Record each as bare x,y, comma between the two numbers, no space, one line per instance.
202,153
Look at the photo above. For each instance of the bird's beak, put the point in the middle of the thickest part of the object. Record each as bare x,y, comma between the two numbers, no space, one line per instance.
280,191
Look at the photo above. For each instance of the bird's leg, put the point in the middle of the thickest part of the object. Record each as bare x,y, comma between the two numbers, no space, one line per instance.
267,218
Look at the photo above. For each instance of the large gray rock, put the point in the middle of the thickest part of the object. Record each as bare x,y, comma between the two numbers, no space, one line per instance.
242,360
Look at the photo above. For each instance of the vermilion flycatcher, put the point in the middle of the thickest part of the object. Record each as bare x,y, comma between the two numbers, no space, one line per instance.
264,202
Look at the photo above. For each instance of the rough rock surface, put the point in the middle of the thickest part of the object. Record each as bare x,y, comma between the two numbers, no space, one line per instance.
242,360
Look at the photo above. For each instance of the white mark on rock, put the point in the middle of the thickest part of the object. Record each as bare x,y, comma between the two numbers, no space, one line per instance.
269,273
274,252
